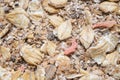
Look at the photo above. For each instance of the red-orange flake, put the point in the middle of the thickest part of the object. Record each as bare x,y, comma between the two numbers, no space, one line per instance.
107,24
72,48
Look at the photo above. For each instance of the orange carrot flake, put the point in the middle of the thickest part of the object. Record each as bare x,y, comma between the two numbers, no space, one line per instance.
107,24
72,48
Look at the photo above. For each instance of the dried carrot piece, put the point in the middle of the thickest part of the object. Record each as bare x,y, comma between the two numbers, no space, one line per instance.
107,24
72,48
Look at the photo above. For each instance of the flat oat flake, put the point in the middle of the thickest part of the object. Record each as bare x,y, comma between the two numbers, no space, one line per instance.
1,13
87,36
58,3
108,6
40,73
50,72
111,59
55,20
5,74
105,44
18,17
64,30
31,55
63,62
16,74
51,47
5,53
89,76
28,75
87,33
35,10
